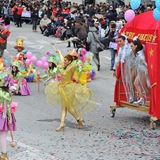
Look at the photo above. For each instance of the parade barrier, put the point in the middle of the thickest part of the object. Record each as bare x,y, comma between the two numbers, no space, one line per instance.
147,29
26,15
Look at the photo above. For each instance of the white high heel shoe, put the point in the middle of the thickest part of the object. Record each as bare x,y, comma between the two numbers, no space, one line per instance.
140,102
132,98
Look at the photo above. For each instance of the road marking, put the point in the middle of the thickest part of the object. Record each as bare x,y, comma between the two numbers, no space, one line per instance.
32,152
37,46
28,42
43,42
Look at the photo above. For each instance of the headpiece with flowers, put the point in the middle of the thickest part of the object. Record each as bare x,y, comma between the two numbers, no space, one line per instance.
16,63
5,79
82,54
54,58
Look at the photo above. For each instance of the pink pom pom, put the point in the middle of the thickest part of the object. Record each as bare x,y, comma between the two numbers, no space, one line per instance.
29,55
13,144
45,65
28,61
47,53
84,51
44,59
59,77
33,59
39,64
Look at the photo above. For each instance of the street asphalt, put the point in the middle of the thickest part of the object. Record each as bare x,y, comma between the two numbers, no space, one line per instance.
127,136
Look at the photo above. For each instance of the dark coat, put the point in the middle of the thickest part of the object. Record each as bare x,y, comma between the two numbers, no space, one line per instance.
80,32
34,15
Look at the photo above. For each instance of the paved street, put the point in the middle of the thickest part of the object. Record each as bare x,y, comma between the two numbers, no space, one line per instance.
127,136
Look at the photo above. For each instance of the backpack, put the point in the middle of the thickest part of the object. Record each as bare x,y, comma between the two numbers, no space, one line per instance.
58,31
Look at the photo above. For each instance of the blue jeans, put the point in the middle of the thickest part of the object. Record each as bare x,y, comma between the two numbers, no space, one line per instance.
113,54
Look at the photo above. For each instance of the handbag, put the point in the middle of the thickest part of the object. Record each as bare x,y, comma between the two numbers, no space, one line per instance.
100,46
113,45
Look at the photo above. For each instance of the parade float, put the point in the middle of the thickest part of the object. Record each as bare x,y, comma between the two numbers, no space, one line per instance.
146,27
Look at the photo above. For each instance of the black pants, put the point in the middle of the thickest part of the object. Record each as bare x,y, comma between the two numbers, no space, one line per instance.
96,58
43,29
19,21
69,43
1,52
34,27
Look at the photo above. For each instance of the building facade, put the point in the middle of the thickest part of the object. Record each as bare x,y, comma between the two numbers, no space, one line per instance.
107,1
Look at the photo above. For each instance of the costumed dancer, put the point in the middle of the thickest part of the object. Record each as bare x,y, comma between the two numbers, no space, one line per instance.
18,83
19,47
126,61
78,76
83,73
88,67
1,63
7,118
32,75
26,69
142,82
53,72
74,98
85,70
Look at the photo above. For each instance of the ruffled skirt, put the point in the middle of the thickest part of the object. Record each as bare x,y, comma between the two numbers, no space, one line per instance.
70,95
24,88
4,123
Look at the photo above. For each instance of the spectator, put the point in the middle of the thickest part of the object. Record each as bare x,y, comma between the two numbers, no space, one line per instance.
93,44
91,11
70,31
58,12
5,10
1,6
111,15
51,28
14,13
35,17
6,22
44,23
65,12
4,34
80,31
19,15
113,35
48,12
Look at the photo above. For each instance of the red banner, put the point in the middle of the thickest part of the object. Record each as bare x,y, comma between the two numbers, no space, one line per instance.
152,60
144,26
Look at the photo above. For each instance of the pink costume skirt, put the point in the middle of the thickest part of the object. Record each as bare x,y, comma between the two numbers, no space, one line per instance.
24,87
4,119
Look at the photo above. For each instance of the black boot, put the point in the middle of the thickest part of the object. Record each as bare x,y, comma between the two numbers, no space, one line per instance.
98,67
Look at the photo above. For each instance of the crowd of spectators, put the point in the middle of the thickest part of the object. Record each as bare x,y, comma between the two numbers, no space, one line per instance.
89,22
65,19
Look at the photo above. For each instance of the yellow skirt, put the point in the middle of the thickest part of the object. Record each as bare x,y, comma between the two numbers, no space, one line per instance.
70,95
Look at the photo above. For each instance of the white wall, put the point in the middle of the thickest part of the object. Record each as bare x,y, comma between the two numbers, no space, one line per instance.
105,1
75,1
